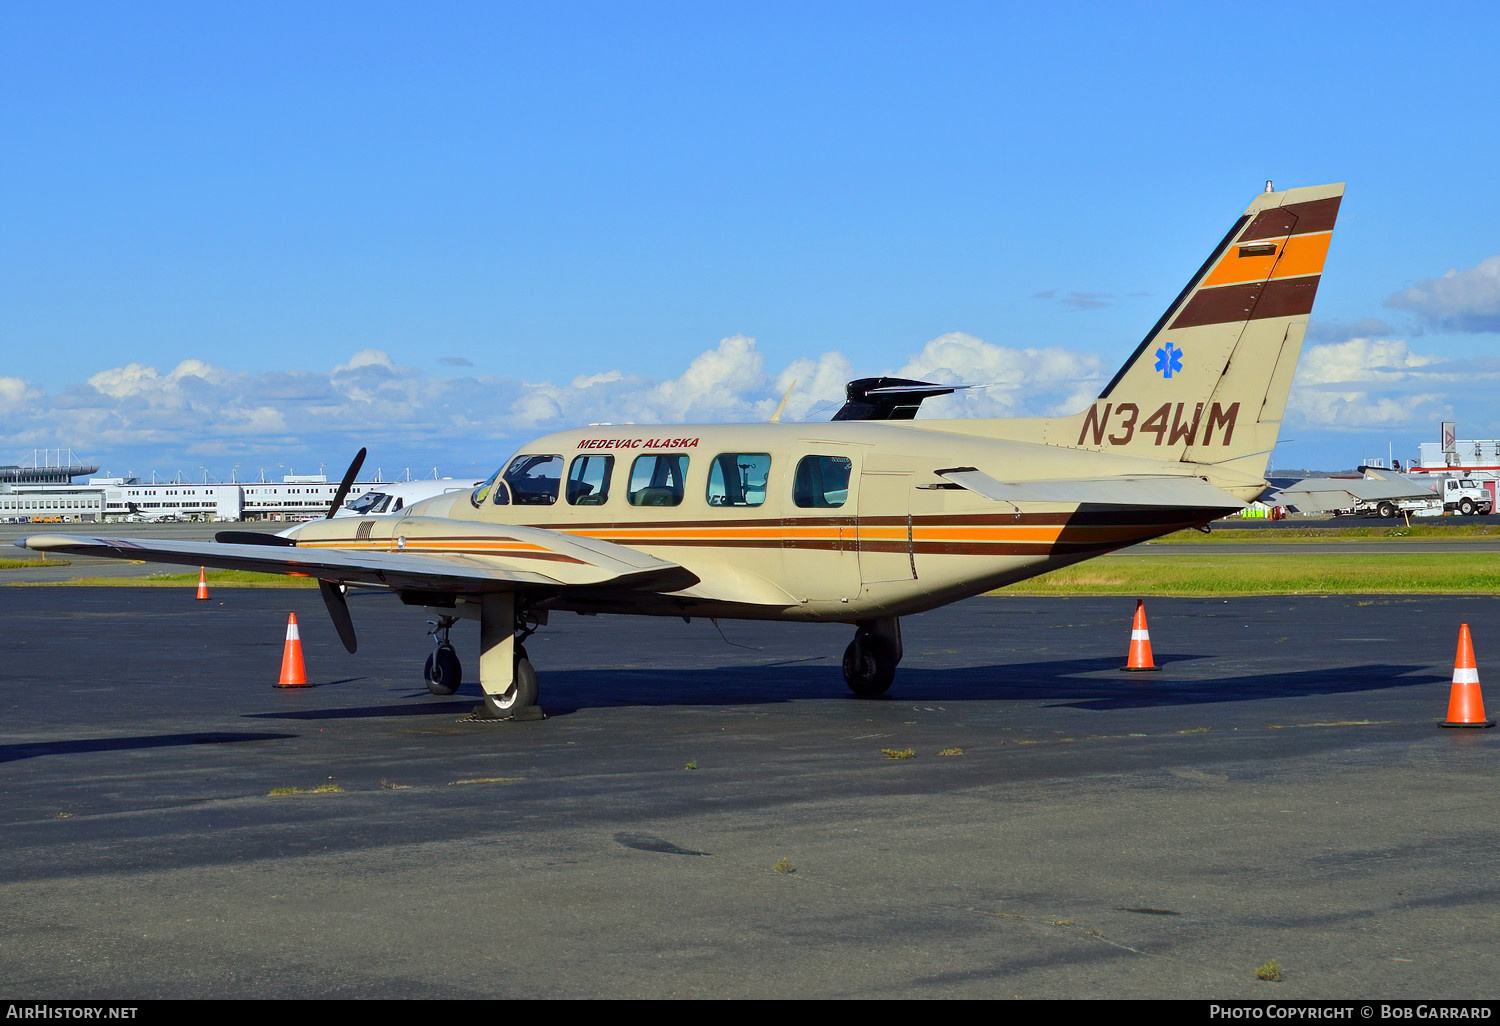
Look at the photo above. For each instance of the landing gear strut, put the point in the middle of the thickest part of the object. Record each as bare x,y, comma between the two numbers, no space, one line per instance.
505,672
871,658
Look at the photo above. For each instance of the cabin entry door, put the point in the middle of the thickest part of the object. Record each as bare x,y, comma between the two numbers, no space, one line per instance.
885,529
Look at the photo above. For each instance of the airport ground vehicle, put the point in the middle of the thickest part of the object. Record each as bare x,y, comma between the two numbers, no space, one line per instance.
1392,506
1466,497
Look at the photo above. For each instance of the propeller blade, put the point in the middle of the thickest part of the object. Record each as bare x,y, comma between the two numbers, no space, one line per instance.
343,492
338,611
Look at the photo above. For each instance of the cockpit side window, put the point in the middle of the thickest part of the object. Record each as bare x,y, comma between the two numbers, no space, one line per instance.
738,479
658,480
821,482
534,480
588,480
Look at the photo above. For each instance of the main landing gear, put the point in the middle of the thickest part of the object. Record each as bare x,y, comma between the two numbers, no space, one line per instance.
505,671
871,658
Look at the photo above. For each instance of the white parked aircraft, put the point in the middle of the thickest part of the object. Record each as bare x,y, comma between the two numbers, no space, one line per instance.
142,516
392,497
862,520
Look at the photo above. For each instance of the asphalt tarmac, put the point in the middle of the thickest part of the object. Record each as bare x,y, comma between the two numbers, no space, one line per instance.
713,815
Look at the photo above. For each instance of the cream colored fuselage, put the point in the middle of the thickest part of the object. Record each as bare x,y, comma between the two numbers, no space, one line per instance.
898,539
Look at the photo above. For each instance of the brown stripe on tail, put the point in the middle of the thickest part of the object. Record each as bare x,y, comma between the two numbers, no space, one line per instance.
1294,219
1252,301
1277,278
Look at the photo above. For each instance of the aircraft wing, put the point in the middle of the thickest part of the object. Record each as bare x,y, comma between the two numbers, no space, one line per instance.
502,559
1141,490
1343,490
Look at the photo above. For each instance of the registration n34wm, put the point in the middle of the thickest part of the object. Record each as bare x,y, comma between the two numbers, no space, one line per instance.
861,520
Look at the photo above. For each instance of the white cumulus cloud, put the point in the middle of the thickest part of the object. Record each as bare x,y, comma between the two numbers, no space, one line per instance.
1467,300
1361,359
1374,383
1019,381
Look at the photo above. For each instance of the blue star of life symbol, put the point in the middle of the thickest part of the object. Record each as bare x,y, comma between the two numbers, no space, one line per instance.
1169,361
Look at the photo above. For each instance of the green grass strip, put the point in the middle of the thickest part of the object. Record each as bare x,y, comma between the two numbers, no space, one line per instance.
1398,573
216,579
1436,530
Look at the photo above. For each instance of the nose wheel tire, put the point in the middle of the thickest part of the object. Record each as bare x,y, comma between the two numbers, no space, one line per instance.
443,672
869,664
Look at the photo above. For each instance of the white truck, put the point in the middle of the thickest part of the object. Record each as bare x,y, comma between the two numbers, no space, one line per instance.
1466,496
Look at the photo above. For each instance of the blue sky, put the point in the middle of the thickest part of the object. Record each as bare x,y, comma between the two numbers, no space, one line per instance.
264,235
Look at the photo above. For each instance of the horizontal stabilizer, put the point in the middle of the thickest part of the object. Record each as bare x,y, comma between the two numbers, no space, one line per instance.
1172,492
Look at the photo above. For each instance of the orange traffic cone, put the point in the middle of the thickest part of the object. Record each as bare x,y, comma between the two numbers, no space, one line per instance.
1465,703
1140,642
202,584
293,672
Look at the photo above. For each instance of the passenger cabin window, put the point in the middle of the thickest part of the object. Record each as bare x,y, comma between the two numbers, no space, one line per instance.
588,480
534,480
738,479
821,482
658,480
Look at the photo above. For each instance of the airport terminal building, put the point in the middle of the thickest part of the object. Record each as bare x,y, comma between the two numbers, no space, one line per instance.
295,497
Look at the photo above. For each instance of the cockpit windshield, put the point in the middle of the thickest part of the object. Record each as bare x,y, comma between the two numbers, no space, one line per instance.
370,503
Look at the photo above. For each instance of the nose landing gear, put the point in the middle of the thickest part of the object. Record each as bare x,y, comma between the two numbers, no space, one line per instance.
443,672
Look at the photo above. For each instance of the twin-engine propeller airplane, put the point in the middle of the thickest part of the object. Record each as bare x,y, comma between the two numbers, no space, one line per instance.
862,520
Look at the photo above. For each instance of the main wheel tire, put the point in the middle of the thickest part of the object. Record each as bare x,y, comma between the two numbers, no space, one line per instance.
443,671
869,664
1385,509
520,695
1466,507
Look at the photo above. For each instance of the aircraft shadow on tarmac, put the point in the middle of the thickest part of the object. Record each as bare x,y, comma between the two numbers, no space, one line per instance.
78,746
1055,682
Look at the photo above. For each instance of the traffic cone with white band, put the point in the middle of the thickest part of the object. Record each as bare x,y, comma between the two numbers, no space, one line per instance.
202,584
1465,703
293,672
1140,642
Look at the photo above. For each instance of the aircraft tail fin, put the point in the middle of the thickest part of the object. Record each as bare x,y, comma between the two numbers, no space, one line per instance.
1209,383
